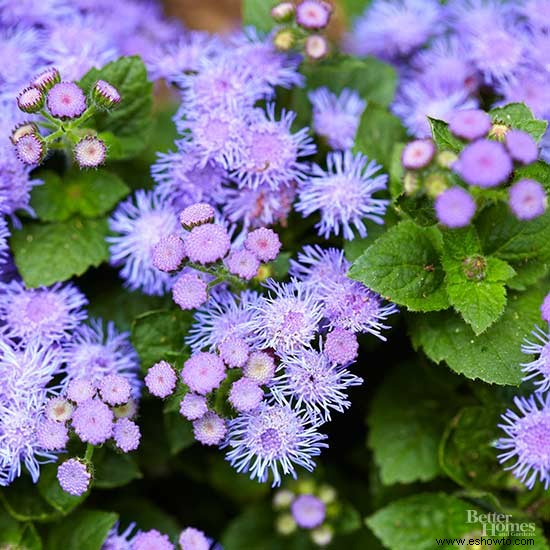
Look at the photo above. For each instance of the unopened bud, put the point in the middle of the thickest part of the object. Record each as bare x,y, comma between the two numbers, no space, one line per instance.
30,100
283,12
105,95
46,79
316,47
284,40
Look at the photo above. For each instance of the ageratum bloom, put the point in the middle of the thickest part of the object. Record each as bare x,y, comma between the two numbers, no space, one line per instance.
343,194
139,223
273,439
315,265
287,319
538,370
311,380
4,234
96,351
44,313
527,439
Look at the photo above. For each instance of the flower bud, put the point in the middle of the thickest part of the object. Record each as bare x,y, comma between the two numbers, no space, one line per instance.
498,131
31,149
435,184
30,100
313,14
283,12
46,79
284,40
23,129
105,95
322,536
90,152
285,524
316,47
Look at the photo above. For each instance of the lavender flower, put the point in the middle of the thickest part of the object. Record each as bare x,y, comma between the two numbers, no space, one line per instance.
545,308
74,477
540,367
66,100
455,207
418,154
242,263
245,395
273,439
115,389
234,351
52,435
168,253
190,291
161,379
308,511
526,441
316,265
80,390
260,367
46,313
344,194
30,149
264,243
153,539
209,429
527,199
203,372
140,222
313,14
341,346
521,146
336,118
116,541
193,406
207,243
90,152
470,124
126,434
197,214
193,539
93,421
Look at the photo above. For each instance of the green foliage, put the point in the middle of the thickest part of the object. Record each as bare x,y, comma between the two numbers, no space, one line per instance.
518,115
179,432
130,122
114,468
443,138
47,253
493,356
403,265
18,535
51,492
257,13
89,194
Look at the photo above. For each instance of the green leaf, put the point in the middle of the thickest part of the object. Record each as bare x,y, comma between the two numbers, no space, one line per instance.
257,13
466,453
158,335
417,521
114,469
475,284
85,530
405,439
14,535
443,137
179,432
353,8
53,494
538,171
403,266
378,131
90,194
493,356
131,121
47,253
24,503
518,115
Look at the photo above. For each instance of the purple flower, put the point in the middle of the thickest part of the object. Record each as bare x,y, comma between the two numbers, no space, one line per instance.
264,243
114,541
418,154
115,389
530,87
46,313
66,100
93,421
273,439
95,352
344,194
455,207
287,318
313,14
234,351
46,79
140,222
538,370
105,95
126,434
203,372
336,118
80,390
242,263
197,214
52,435
545,308
189,291
74,477
470,124
316,47
207,243
161,379
149,540
527,439
168,253
391,29
316,265
271,151
193,539
521,146
223,316
341,346
30,149
90,152
4,234
527,199
58,409
30,100
209,429
537,12
245,394
308,511
260,367
484,163
193,406
312,381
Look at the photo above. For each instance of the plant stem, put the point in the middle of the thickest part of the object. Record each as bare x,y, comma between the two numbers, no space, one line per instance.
89,452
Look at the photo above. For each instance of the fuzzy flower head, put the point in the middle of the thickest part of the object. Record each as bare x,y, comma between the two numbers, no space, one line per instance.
313,14
46,313
336,118
538,370
264,243
30,149
161,379
74,477
341,346
139,223
193,539
418,154
168,253
96,351
197,214
271,151
58,409
90,152
526,441
308,511
273,439
80,390
455,207
207,243
243,264
52,435
116,541
209,429
151,540
115,389
105,95
527,199
260,367
126,435
312,381
193,406
30,100
470,124
203,372
189,291
343,194
287,318
66,100
545,308
315,265
521,146
234,351
93,421
245,395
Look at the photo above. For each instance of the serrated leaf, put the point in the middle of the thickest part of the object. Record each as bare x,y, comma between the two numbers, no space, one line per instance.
85,530
90,194
47,253
443,138
405,439
158,335
518,115
417,521
257,13
403,265
53,494
493,356
378,131
131,121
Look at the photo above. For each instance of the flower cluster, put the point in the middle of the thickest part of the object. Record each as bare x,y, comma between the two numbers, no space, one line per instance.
490,153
